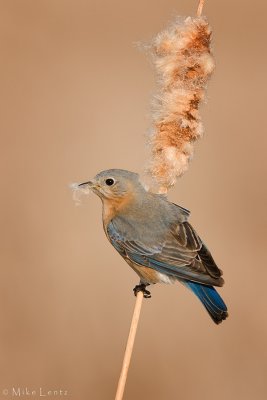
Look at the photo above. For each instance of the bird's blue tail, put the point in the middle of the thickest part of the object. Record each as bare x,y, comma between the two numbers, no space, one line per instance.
211,300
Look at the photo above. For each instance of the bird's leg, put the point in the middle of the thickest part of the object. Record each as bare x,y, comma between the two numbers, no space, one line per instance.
142,288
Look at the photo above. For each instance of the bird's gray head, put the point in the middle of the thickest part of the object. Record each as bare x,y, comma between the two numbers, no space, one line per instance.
114,183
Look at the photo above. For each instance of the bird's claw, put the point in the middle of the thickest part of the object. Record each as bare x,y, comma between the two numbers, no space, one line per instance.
142,288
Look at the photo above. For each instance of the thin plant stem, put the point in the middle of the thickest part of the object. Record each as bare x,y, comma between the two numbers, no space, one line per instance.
200,7
129,346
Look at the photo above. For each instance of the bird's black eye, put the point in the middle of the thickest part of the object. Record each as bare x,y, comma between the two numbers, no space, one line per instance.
109,181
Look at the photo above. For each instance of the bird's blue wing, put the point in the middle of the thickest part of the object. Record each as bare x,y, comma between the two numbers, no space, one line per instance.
180,253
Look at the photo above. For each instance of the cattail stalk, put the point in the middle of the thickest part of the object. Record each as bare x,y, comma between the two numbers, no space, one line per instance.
129,346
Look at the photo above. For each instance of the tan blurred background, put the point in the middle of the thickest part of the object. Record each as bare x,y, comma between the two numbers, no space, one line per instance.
75,97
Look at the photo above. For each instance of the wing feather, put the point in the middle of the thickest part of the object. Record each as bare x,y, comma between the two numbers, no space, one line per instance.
179,253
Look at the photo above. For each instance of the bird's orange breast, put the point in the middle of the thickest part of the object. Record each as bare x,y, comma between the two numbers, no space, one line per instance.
112,206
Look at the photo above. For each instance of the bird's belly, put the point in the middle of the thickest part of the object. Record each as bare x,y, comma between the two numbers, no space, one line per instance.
149,275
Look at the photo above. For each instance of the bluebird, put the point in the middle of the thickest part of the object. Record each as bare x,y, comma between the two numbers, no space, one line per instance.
155,238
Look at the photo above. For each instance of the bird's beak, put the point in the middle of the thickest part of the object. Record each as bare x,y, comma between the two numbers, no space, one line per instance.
89,183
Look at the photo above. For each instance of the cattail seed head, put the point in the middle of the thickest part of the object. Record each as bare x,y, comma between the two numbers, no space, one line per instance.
184,64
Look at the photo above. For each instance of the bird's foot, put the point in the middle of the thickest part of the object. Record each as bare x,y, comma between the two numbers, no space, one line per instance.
142,288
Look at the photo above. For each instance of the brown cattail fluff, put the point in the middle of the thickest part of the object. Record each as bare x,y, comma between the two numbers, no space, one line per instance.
183,63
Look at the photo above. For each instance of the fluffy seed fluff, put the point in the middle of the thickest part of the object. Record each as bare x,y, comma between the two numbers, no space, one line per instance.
183,63
78,192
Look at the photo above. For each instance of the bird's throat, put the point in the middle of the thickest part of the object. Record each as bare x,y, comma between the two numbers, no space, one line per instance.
112,207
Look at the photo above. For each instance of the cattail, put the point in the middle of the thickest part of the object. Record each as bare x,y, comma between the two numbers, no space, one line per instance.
183,63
